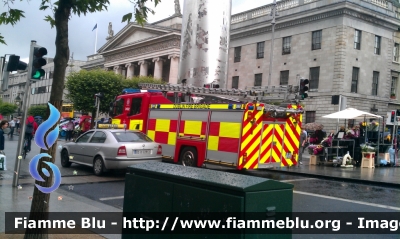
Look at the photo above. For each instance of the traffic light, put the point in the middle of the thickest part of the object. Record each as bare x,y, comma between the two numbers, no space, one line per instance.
393,116
303,88
14,64
37,62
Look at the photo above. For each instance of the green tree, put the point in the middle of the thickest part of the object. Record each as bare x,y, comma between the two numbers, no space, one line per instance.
63,11
83,85
38,110
7,108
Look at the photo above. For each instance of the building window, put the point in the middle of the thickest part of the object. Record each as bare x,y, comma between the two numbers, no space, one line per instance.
284,78
396,52
354,80
316,40
377,48
257,79
41,89
393,86
238,51
357,39
260,50
235,82
310,116
314,78
375,80
286,43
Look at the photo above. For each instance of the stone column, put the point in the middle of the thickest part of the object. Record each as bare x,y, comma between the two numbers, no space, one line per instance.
129,70
118,70
173,71
158,67
144,66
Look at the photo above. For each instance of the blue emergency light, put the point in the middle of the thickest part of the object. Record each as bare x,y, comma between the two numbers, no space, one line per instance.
133,91
251,107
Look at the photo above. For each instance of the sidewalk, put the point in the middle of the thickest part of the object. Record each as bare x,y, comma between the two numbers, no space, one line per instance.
380,176
13,199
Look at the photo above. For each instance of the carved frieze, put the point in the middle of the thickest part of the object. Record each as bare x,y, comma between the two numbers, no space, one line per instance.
173,43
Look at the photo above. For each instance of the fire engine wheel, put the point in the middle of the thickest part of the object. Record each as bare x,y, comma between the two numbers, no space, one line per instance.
188,157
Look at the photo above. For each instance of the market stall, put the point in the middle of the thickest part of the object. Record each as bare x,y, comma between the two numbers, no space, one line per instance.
357,139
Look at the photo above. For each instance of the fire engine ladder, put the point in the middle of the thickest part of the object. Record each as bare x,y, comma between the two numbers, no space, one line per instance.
283,94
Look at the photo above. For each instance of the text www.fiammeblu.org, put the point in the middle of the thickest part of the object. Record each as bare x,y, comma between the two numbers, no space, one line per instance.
232,222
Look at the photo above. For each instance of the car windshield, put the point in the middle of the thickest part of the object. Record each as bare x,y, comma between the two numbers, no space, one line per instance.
131,137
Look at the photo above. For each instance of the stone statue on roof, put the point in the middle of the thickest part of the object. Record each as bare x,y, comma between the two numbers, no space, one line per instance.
110,31
177,8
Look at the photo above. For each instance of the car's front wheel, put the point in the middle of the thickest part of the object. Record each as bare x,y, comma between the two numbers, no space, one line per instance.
98,166
65,159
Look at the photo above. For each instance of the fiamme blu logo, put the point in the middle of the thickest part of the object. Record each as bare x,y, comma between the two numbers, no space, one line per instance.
45,142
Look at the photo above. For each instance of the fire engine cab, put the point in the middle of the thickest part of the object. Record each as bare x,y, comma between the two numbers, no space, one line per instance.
245,135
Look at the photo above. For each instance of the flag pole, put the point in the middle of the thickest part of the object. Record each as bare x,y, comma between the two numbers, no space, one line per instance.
95,44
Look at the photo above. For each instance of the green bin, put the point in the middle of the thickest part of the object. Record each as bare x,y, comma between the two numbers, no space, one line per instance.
156,187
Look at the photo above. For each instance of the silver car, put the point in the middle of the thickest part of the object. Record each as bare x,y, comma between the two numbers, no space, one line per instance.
107,149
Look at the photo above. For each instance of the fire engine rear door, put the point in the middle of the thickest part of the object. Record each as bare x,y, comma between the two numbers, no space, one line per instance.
271,144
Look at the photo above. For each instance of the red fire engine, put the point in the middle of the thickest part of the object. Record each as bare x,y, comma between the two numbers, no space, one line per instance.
242,135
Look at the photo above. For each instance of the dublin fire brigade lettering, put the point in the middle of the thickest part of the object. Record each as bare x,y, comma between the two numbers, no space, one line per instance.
191,106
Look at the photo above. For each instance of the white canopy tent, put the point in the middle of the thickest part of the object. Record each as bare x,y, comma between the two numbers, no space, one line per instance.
351,113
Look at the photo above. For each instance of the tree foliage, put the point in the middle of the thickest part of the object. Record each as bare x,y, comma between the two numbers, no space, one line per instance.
83,85
38,110
7,108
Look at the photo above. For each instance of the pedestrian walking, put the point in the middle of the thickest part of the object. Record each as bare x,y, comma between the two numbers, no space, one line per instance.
3,125
12,127
84,125
302,142
17,124
70,130
31,127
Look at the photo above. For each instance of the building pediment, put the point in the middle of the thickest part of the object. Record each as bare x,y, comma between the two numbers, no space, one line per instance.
134,34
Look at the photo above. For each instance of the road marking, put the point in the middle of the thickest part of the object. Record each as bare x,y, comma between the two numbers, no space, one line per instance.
111,198
348,200
294,180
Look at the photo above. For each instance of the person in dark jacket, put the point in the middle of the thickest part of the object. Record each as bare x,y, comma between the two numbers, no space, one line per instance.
3,125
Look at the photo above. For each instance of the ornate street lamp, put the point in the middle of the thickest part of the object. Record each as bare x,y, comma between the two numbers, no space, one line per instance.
18,102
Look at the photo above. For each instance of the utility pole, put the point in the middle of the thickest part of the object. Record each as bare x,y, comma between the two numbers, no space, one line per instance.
271,54
25,102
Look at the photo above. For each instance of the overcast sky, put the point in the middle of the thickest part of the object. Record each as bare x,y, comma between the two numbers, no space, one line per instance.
81,37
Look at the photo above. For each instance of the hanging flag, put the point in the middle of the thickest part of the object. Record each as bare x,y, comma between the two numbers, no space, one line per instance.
95,27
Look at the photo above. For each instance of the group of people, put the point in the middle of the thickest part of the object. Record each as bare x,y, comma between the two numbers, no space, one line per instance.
30,129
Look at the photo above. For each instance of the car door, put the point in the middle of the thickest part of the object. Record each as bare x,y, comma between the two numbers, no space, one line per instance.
96,146
79,149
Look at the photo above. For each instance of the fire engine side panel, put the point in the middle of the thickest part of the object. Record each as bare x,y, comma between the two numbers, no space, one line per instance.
224,136
162,128
193,123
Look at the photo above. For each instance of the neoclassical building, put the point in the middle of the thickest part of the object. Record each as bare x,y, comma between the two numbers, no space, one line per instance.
149,50
344,47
